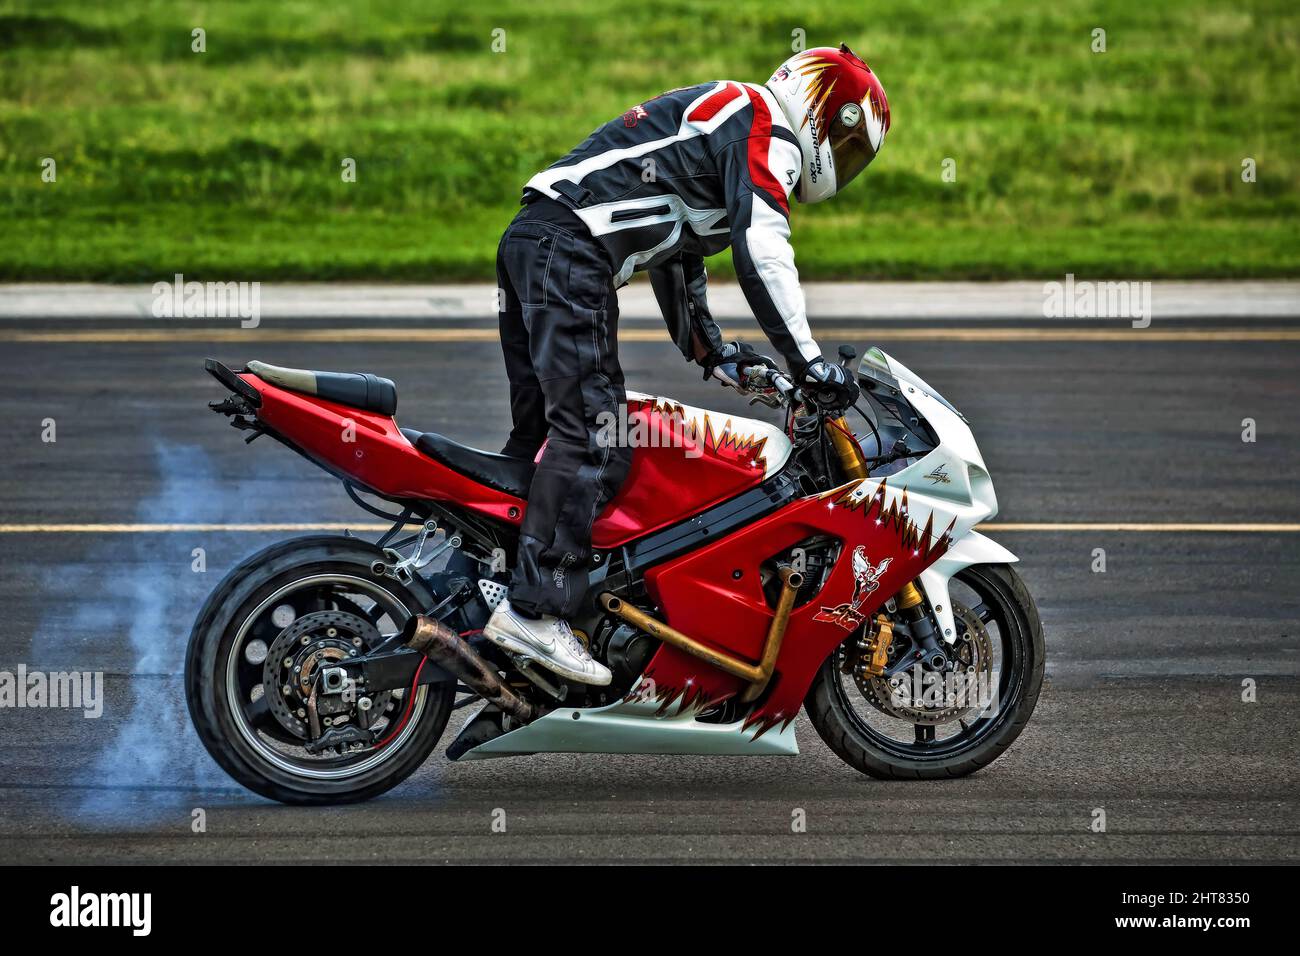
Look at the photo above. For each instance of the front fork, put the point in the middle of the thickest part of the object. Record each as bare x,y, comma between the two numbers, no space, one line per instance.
928,648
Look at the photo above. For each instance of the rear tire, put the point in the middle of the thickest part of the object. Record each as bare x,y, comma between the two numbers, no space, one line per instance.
220,719
845,732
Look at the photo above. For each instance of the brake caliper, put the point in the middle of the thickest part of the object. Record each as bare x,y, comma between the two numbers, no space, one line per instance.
880,646
870,654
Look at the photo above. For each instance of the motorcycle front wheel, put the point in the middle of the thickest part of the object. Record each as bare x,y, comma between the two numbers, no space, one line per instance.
916,727
257,649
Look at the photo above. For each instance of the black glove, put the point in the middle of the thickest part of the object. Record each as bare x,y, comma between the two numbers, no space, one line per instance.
829,386
727,363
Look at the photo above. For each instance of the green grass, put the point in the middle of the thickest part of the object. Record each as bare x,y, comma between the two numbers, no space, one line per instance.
226,164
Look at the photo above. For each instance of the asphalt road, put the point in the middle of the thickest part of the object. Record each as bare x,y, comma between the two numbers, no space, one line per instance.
1142,715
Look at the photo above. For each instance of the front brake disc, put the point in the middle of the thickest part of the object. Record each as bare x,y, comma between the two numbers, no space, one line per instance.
973,657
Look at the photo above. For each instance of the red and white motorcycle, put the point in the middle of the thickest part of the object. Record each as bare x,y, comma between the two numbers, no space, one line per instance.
743,571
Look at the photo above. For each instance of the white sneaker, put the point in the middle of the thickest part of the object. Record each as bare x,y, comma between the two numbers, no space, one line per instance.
547,640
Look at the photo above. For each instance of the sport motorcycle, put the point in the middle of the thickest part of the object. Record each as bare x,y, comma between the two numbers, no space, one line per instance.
744,570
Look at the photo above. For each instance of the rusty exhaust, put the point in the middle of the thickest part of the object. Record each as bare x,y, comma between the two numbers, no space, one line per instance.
450,651
755,675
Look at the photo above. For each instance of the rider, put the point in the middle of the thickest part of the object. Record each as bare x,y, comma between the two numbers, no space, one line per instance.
674,179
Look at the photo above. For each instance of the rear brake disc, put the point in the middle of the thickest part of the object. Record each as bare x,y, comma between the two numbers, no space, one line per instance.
301,650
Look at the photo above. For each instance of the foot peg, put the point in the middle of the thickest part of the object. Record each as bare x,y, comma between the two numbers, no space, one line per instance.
403,569
539,678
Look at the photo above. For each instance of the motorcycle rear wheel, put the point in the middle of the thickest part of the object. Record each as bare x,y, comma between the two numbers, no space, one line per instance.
857,730
321,575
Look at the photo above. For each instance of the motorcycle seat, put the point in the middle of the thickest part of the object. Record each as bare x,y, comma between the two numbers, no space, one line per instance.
511,475
370,393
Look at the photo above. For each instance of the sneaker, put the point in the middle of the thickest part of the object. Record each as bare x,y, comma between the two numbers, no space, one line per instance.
547,640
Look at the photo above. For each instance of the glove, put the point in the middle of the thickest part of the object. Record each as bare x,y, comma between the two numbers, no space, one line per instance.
829,386
727,363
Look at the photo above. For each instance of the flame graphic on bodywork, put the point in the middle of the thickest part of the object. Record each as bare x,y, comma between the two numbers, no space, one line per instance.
918,549
895,516
742,447
859,514
724,443
692,696
666,408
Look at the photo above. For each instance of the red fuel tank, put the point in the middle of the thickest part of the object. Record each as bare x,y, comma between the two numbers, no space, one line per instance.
684,460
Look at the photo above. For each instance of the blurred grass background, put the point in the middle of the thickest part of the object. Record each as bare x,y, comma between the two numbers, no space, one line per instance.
226,164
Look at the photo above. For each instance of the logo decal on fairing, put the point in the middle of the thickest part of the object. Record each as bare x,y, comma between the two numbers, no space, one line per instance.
940,475
866,579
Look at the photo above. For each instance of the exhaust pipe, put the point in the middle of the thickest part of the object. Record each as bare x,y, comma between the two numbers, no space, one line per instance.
451,652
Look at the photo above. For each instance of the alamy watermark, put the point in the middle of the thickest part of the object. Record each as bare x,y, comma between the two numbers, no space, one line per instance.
922,689
1098,300
133,911
82,690
208,300
671,428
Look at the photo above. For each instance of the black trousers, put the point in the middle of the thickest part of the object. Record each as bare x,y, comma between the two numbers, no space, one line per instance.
559,315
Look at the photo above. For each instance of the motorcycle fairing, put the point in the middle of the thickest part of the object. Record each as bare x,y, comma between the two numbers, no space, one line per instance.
701,595
952,476
633,726
378,455
969,549
684,461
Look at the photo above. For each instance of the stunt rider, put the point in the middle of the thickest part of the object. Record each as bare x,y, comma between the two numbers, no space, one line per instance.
674,179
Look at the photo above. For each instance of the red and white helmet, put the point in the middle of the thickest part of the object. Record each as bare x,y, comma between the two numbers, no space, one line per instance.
837,108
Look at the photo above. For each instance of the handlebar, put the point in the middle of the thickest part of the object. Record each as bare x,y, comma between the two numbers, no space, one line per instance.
764,382
760,378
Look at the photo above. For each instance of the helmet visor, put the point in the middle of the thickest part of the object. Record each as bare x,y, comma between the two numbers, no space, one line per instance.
850,144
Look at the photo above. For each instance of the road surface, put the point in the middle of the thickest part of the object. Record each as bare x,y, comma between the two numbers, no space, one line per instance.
1134,436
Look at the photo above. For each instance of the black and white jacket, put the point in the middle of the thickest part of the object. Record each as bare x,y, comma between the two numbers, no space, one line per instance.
681,177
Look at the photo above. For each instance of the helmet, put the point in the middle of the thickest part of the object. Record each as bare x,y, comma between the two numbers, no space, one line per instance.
837,108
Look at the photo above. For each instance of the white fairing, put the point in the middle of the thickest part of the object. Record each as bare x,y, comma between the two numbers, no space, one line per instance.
950,484
635,726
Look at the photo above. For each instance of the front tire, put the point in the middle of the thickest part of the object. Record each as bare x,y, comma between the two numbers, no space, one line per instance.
860,733
331,578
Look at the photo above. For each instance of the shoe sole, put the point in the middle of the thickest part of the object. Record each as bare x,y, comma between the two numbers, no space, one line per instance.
521,647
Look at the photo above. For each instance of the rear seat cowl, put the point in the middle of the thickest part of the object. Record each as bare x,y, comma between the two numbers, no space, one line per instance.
361,390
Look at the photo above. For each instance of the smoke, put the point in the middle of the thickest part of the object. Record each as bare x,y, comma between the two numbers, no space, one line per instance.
136,597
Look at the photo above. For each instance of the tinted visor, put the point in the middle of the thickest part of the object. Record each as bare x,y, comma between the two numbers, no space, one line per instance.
850,144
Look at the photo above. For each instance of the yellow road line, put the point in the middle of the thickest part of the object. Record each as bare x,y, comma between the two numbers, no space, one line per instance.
864,331
993,527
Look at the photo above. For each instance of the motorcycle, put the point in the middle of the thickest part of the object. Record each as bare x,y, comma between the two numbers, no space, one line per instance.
743,571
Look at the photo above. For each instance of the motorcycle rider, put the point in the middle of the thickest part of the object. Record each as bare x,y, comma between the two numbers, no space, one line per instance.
674,179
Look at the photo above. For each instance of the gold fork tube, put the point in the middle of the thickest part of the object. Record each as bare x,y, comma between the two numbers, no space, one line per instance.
846,448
